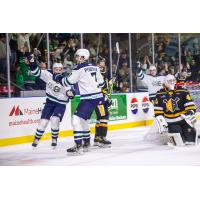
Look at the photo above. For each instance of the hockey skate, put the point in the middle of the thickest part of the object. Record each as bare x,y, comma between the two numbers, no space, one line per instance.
86,146
102,142
54,143
35,143
75,150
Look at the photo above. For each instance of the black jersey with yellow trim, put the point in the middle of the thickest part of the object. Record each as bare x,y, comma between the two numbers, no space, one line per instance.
172,104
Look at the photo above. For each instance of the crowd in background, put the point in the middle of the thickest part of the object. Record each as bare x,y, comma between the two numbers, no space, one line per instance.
63,46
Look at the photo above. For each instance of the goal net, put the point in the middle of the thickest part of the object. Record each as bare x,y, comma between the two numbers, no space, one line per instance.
194,90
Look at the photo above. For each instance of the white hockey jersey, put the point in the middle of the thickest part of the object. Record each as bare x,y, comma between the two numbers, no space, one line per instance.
154,84
89,80
54,91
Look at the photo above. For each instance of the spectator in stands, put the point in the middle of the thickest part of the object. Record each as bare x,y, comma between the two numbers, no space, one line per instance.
189,57
3,64
182,77
194,70
29,79
123,58
19,78
171,70
24,42
123,80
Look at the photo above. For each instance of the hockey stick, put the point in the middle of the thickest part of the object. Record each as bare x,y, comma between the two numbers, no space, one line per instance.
116,69
98,46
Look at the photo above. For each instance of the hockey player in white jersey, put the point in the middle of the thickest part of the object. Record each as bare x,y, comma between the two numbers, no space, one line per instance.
89,81
153,82
57,98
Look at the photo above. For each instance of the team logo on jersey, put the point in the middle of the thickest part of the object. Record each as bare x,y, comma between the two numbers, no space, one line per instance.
145,105
134,105
15,111
172,104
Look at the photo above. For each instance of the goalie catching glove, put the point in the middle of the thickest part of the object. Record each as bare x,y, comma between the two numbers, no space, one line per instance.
190,118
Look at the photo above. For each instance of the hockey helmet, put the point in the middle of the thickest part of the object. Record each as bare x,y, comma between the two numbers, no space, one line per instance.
170,81
57,68
83,53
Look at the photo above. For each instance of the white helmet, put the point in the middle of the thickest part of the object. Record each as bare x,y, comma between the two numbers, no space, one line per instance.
57,68
55,65
83,53
170,81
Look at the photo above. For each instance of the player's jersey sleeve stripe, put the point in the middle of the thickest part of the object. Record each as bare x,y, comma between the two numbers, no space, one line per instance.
190,108
189,104
140,75
66,83
101,84
158,108
36,72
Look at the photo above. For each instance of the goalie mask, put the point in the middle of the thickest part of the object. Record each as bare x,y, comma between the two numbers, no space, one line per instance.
82,55
57,68
170,82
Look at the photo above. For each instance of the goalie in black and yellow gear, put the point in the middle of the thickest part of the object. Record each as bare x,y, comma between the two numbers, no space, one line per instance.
102,111
176,107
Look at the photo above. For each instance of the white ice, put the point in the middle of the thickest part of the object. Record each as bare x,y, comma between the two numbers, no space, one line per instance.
128,148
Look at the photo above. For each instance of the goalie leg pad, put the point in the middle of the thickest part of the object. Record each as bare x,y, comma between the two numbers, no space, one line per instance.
162,124
175,139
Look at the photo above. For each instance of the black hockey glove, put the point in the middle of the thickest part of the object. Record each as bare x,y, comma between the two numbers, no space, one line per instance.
108,102
70,93
32,61
138,67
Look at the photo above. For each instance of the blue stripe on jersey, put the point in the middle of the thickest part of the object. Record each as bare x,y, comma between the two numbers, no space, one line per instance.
52,98
85,64
101,84
140,75
66,82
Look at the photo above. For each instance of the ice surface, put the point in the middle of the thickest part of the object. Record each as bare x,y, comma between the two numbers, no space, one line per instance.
128,148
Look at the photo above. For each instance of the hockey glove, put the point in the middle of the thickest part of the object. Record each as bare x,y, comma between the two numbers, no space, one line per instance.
32,62
108,101
70,93
138,67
